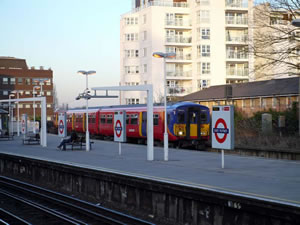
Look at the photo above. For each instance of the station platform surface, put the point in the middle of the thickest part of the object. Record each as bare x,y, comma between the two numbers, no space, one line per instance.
268,179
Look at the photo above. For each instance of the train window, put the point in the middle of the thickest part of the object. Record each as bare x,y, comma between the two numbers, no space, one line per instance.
180,117
134,119
127,119
203,117
109,119
102,119
155,119
193,118
144,115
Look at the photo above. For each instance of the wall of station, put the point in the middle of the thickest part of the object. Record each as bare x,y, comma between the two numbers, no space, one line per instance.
161,203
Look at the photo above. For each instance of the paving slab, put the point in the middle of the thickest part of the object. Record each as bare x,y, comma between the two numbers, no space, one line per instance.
274,180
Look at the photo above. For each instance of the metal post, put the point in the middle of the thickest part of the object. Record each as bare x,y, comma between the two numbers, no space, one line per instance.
18,119
87,135
150,152
43,122
299,105
166,143
120,148
222,159
33,112
10,117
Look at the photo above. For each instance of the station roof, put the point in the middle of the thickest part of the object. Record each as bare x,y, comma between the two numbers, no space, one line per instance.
274,87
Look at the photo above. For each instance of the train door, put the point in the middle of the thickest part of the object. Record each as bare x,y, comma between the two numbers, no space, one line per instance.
193,126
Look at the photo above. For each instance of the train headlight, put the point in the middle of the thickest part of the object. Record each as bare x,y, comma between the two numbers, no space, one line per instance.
203,133
180,133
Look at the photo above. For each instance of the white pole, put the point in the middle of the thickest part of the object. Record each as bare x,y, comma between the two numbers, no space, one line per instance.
150,152
12,121
222,159
33,111
166,143
18,119
10,117
120,150
43,122
87,135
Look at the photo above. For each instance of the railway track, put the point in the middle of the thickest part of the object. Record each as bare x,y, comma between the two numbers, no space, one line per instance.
22,203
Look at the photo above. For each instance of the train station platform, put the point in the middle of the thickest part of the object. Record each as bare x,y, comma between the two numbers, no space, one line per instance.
268,179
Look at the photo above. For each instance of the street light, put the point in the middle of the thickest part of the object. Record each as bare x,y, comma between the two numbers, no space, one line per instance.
165,56
11,114
18,111
87,134
296,23
33,95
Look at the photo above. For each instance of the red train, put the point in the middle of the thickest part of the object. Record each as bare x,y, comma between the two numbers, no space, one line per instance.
188,123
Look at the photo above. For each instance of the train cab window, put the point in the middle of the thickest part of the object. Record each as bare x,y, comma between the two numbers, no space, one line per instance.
193,118
134,119
102,119
127,119
180,117
168,118
203,117
109,119
155,119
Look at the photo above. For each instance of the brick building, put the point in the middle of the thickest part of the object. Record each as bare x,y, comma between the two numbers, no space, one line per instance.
276,94
17,79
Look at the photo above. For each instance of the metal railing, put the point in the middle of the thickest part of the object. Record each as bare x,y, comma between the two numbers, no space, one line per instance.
236,4
179,22
236,55
179,73
241,39
236,20
182,57
237,72
179,39
179,90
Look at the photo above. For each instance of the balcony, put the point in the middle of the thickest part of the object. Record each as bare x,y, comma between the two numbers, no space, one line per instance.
178,91
236,56
243,39
182,40
180,75
236,4
181,23
181,58
234,72
236,21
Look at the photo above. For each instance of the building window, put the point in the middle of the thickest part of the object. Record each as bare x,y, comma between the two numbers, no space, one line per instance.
145,19
48,105
12,80
4,80
48,82
205,50
137,69
145,35
205,83
48,93
144,52
145,68
131,37
202,16
205,33
205,68
5,92
20,80
20,106
274,102
27,106
132,101
27,81
27,92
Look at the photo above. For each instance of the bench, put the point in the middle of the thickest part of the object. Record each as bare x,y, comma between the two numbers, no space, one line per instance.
31,140
78,143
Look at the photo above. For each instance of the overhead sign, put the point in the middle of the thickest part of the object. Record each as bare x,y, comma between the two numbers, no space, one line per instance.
62,124
120,126
223,127
24,123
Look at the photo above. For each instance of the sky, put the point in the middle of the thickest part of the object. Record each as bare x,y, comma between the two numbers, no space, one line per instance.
66,35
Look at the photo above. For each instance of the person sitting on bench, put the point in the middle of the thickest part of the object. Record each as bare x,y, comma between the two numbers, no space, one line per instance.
63,143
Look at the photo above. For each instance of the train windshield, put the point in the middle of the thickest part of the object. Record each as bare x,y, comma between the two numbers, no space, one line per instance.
180,117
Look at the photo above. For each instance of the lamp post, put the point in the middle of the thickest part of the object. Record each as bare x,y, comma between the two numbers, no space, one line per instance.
11,115
87,134
165,56
296,23
33,95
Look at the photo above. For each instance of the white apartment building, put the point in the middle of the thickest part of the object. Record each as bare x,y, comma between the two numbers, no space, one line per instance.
209,38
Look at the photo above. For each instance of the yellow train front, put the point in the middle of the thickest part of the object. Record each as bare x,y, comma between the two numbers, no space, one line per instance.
188,124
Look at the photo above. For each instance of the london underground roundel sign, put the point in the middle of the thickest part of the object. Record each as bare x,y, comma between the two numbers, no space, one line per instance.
62,125
223,127
118,128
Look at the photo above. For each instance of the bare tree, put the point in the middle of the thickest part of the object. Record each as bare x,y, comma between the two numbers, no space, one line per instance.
276,46
55,99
